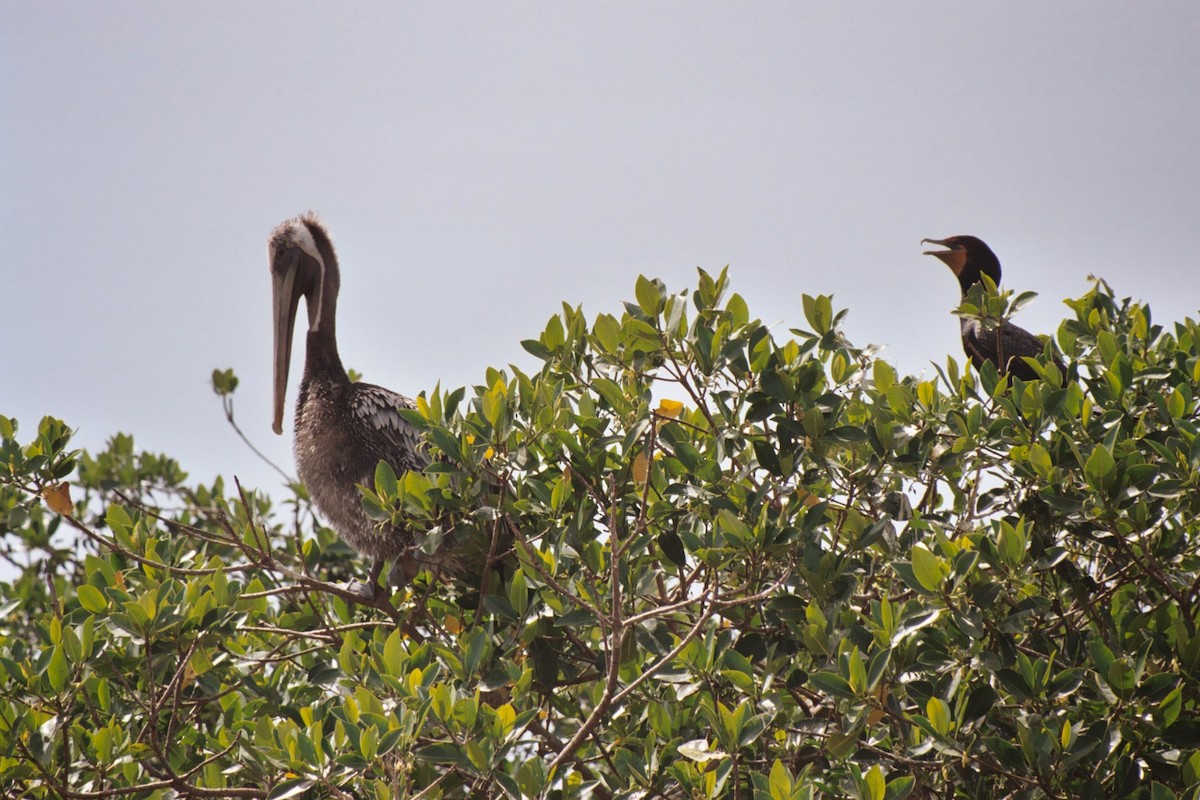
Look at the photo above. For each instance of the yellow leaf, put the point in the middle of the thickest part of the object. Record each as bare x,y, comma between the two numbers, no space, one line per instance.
877,714
641,467
489,453
808,498
926,392
453,624
58,497
669,408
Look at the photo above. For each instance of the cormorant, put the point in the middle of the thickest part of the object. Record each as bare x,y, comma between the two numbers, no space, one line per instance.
1000,342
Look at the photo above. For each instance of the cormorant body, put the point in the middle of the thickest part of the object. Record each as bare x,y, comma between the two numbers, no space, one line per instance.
1004,344
343,428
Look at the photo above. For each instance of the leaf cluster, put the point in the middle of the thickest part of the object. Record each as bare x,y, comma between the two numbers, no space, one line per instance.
704,561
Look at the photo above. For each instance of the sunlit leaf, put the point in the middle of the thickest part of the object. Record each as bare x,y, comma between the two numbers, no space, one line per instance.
699,750
939,715
640,468
92,598
58,497
669,408
928,568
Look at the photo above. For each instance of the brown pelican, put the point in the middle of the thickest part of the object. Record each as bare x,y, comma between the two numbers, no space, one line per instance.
1004,344
343,428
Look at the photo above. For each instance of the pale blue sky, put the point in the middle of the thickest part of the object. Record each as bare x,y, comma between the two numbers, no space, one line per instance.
477,164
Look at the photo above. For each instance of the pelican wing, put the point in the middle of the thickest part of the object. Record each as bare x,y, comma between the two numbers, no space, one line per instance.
377,409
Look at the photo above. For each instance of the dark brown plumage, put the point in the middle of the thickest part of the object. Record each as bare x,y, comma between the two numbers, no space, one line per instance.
343,428
1002,343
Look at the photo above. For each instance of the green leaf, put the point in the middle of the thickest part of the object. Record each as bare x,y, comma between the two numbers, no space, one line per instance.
928,568
841,745
737,309
224,382
476,645
779,781
699,750
900,788
874,784
1121,677
926,393
1191,766
979,702
884,375
939,715
1176,404
753,728
650,296
393,655
531,777
447,443
733,525
818,311
1039,459
58,670
92,598
536,349
368,743
554,336
832,683
293,787
385,481
879,662
613,393
608,332
1012,543
1100,469
518,593
494,403
676,316
1170,706
118,521
1160,791
858,672
1108,345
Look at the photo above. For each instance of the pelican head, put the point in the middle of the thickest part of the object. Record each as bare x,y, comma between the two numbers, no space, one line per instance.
303,264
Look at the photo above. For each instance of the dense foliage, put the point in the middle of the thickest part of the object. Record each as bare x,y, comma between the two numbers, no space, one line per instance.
722,564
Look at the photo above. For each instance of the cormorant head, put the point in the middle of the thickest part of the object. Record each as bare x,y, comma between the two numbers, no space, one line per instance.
968,257
303,264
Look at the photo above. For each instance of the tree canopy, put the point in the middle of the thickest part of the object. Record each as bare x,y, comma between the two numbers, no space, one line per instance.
722,562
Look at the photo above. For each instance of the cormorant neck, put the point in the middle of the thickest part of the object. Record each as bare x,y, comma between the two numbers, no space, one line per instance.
967,279
979,264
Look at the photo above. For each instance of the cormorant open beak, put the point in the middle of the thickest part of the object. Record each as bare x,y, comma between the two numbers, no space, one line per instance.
955,258
285,299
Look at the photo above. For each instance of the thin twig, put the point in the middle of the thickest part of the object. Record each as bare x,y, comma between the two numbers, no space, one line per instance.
227,403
